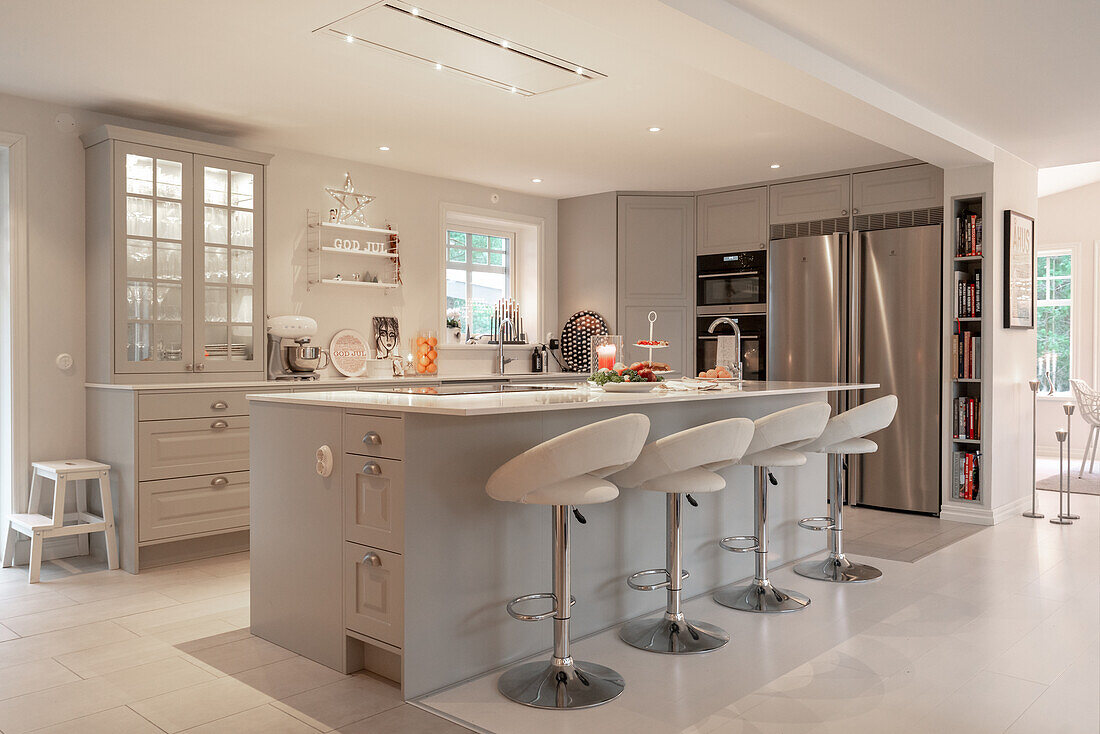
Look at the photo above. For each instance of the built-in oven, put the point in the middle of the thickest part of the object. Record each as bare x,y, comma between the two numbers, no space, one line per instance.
753,347
736,282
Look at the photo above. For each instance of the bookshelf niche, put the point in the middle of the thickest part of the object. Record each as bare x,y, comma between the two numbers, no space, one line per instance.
965,359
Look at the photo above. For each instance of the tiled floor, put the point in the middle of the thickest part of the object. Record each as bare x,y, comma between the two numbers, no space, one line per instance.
998,632
89,651
899,536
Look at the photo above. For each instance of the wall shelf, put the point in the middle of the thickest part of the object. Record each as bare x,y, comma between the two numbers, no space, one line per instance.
341,251
352,227
322,239
361,283
968,258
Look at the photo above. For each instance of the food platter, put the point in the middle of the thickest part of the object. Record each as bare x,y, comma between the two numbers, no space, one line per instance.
708,380
626,386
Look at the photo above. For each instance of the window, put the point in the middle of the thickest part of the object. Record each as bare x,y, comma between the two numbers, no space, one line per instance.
479,273
1054,293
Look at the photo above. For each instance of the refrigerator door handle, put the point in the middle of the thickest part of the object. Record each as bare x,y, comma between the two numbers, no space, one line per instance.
854,344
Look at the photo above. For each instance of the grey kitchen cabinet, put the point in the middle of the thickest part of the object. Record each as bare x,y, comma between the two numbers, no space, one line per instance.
656,271
732,221
897,189
807,201
374,594
175,248
170,508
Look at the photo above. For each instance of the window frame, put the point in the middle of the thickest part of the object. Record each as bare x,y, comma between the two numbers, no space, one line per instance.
509,269
1073,249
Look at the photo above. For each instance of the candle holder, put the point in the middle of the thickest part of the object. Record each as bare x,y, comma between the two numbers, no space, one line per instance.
1034,385
607,349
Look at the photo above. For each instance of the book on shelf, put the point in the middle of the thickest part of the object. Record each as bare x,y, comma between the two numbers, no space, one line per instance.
968,295
968,235
966,475
966,355
967,418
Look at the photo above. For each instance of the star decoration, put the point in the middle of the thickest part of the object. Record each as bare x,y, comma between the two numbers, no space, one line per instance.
351,203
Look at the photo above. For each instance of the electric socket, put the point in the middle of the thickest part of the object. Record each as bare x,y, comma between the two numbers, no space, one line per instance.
553,343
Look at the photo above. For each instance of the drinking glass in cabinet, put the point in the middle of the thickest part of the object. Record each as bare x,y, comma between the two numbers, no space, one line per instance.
216,226
216,306
242,229
169,261
139,175
242,305
138,337
169,302
242,190
139,301
139,217
241,342
169,179
169,220
139,259
169,342
242,267
216,266
214,186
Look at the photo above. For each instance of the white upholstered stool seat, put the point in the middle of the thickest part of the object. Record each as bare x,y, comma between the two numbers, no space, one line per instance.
564,472
844,435
773,442
676,465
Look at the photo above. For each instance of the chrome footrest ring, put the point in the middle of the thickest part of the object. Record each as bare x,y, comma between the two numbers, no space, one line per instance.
531,597
630,581
817,523
725,543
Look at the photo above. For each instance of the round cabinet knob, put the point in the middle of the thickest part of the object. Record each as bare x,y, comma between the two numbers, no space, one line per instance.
372,438
219,482
855,211
219,425
219,405
844,212
372,467
372,559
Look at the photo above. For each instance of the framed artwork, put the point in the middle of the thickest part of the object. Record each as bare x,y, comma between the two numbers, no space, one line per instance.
1019,284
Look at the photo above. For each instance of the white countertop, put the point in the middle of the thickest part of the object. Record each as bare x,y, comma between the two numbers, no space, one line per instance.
335,383
527,402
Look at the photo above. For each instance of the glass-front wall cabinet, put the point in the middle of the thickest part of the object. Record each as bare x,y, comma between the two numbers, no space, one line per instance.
189,262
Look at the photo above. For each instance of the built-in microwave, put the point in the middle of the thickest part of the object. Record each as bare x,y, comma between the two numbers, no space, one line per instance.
753,347
734,282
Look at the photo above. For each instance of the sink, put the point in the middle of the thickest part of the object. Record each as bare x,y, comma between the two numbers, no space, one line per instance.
475,389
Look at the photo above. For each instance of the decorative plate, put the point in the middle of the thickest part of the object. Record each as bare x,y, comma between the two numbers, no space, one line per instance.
349,353
576,339
626,386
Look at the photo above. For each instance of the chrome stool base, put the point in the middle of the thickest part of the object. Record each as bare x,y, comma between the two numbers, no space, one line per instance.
673,636
576,685
762,597
838,569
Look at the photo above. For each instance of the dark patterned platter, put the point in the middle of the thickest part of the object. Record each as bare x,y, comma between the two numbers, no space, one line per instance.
576,339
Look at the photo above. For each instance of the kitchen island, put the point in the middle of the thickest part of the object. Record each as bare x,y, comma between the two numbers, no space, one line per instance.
374,544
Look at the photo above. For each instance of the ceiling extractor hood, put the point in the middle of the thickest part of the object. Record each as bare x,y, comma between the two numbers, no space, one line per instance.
448,45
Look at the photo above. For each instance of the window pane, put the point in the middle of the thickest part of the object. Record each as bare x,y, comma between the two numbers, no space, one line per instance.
242,190
456,255
138,338
139,301
1053,332
242,229
496,258
168,340
139,216
242,267
215,226
1060,265
498,243
169,261
170,220
489,287
214,186
1044,264
1060,288
458,239
169,302
481,317
139,259
169,179
479,240
216,264
139,174
480,257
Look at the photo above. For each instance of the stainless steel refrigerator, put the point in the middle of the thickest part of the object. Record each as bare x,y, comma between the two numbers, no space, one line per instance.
865,307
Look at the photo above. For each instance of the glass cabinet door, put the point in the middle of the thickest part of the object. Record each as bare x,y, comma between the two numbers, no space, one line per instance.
153,329
228,265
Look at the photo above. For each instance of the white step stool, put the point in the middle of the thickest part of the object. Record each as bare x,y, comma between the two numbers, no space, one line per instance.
39,527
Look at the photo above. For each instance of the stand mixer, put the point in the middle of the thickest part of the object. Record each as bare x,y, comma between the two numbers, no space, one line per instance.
290,356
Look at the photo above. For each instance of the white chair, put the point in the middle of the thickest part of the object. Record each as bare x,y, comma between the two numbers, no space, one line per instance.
768,448
674,465
566,471
39,527
844,435
1088,400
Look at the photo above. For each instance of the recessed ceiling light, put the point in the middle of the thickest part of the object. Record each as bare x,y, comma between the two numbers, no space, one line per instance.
512,90
383,147
655,129
438,67
580,70
536,180
350,38
775,165
504,44
415,11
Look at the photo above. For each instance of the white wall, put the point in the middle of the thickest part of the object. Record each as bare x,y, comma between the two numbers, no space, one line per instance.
1067,218
55,204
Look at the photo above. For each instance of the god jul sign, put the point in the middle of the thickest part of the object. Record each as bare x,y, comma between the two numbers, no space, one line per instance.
349,353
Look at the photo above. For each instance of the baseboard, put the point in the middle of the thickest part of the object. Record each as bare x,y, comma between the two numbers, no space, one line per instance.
983,516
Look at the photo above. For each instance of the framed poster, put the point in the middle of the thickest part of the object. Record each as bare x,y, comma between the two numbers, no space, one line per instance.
1019,284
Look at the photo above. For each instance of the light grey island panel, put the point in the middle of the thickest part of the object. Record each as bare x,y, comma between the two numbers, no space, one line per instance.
466,555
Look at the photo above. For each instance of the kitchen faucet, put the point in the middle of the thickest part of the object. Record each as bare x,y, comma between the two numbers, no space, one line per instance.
501,359
736,332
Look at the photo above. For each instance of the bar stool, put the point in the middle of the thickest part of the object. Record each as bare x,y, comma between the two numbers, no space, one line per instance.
39,527
844,435
768,448
564,472
675,465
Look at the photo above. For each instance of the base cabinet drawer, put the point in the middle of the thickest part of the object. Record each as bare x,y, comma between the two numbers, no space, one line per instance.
192,446
171,508
374,435
374,593
194,404
374,502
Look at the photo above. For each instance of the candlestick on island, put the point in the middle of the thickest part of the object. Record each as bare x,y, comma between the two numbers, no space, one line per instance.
605,356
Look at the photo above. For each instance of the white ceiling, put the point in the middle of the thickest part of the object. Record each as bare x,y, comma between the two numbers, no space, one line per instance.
1063,178
1022,74
254,69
